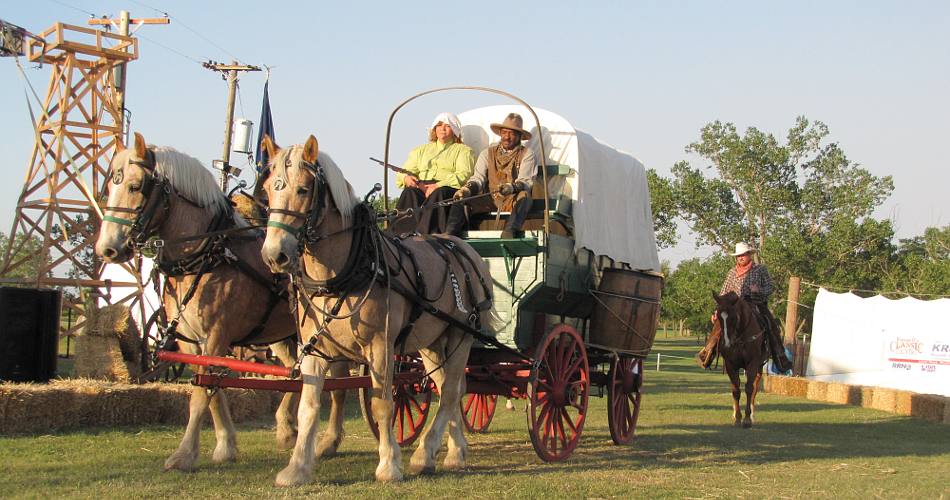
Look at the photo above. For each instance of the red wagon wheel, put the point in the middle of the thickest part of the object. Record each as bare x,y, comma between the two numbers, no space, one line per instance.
477,411
411,402
557,394
623,398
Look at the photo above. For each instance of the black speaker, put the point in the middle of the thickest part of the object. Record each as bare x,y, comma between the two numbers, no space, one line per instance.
29,333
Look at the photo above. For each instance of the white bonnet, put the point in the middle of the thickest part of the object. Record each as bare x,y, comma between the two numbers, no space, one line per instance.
451,120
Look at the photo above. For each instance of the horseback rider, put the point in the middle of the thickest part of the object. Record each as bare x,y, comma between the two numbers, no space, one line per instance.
752,282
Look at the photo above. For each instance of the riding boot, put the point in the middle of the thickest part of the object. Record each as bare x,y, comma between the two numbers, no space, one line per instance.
707,355
778,351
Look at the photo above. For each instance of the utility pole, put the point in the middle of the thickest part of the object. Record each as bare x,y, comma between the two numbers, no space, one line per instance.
230,72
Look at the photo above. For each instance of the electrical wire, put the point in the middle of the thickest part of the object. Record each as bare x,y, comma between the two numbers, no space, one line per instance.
196,33
877,292
169,49
91,14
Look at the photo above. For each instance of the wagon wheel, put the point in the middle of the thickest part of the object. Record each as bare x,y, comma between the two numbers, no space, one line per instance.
411,402
623,397
152,369
477,411
557,394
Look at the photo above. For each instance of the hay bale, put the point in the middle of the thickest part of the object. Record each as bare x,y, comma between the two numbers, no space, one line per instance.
796,387
817,390
767,383
929,407
903,403
109,346
883,399
776,384
843,393
78,403
246,206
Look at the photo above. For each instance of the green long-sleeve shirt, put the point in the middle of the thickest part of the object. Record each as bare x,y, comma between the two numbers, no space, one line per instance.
449,164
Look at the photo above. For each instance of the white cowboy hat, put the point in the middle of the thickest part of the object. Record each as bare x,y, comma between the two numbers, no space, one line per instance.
742,248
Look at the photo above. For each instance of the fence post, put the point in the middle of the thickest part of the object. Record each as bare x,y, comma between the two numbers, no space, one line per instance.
791,313
657,361
791,318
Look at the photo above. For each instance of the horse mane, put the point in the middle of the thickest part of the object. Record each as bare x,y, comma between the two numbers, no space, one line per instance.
190,178
341,191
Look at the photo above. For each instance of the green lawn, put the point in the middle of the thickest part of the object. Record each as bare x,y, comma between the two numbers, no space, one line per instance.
686,447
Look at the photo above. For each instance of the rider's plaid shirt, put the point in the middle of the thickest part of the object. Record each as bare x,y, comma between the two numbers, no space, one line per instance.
743,286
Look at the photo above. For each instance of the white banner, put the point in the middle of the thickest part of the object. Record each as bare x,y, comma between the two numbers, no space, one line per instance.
900,344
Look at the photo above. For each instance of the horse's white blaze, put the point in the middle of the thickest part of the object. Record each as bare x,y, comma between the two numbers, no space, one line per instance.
725,328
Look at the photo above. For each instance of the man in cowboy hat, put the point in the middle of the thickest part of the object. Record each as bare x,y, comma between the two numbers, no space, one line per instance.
752,282
507,170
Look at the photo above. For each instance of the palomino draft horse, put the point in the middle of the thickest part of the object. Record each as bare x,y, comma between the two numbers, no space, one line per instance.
366,295
217,288
742,344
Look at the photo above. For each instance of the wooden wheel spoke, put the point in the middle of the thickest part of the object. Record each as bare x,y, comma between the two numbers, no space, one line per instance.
572,368
565,416
469,402
562,434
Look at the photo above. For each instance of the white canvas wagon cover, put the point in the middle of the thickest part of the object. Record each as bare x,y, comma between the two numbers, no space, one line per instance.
611,200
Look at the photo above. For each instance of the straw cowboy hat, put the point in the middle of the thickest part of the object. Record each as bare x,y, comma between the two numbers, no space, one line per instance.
512,122
742,248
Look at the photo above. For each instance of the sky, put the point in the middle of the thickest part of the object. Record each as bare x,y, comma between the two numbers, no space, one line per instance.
644,77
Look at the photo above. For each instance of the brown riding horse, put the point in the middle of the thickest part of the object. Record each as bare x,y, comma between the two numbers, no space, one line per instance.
742,344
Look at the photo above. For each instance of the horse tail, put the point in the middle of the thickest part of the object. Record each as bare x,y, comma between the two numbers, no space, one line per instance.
495,322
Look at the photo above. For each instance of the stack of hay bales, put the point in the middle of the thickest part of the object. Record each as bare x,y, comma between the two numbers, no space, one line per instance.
80,403
109,347
926,406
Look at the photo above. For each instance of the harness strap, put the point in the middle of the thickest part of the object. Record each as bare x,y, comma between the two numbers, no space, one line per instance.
438,313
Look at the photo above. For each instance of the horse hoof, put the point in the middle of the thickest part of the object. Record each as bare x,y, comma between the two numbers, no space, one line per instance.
180,462
224,454
746,425
292,476
421,469
388,474
326,450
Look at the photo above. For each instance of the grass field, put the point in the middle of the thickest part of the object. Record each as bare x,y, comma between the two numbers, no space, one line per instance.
686,448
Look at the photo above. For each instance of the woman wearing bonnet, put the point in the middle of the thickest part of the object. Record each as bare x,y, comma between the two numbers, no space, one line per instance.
437,170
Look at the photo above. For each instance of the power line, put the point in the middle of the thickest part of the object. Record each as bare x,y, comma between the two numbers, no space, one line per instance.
91,14
877,292
166,47
197,33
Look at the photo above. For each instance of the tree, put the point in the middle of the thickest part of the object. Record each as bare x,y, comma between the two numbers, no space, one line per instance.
663,206
922,264
803,203
687,292
29,251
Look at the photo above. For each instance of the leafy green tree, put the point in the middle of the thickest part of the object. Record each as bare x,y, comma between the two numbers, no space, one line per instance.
922,264
26,260
663,205
687,292
801,201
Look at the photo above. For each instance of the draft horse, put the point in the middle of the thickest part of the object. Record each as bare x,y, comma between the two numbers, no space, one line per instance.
218,292
366,295
742,345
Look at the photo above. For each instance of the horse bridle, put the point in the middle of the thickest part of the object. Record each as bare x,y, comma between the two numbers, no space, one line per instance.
141,224
306,233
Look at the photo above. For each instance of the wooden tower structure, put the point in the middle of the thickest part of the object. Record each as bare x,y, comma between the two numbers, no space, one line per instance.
76,132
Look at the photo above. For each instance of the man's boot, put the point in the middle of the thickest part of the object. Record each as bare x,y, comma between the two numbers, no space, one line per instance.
777,349
707,355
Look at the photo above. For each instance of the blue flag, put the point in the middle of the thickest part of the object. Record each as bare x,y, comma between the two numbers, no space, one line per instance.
266,127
